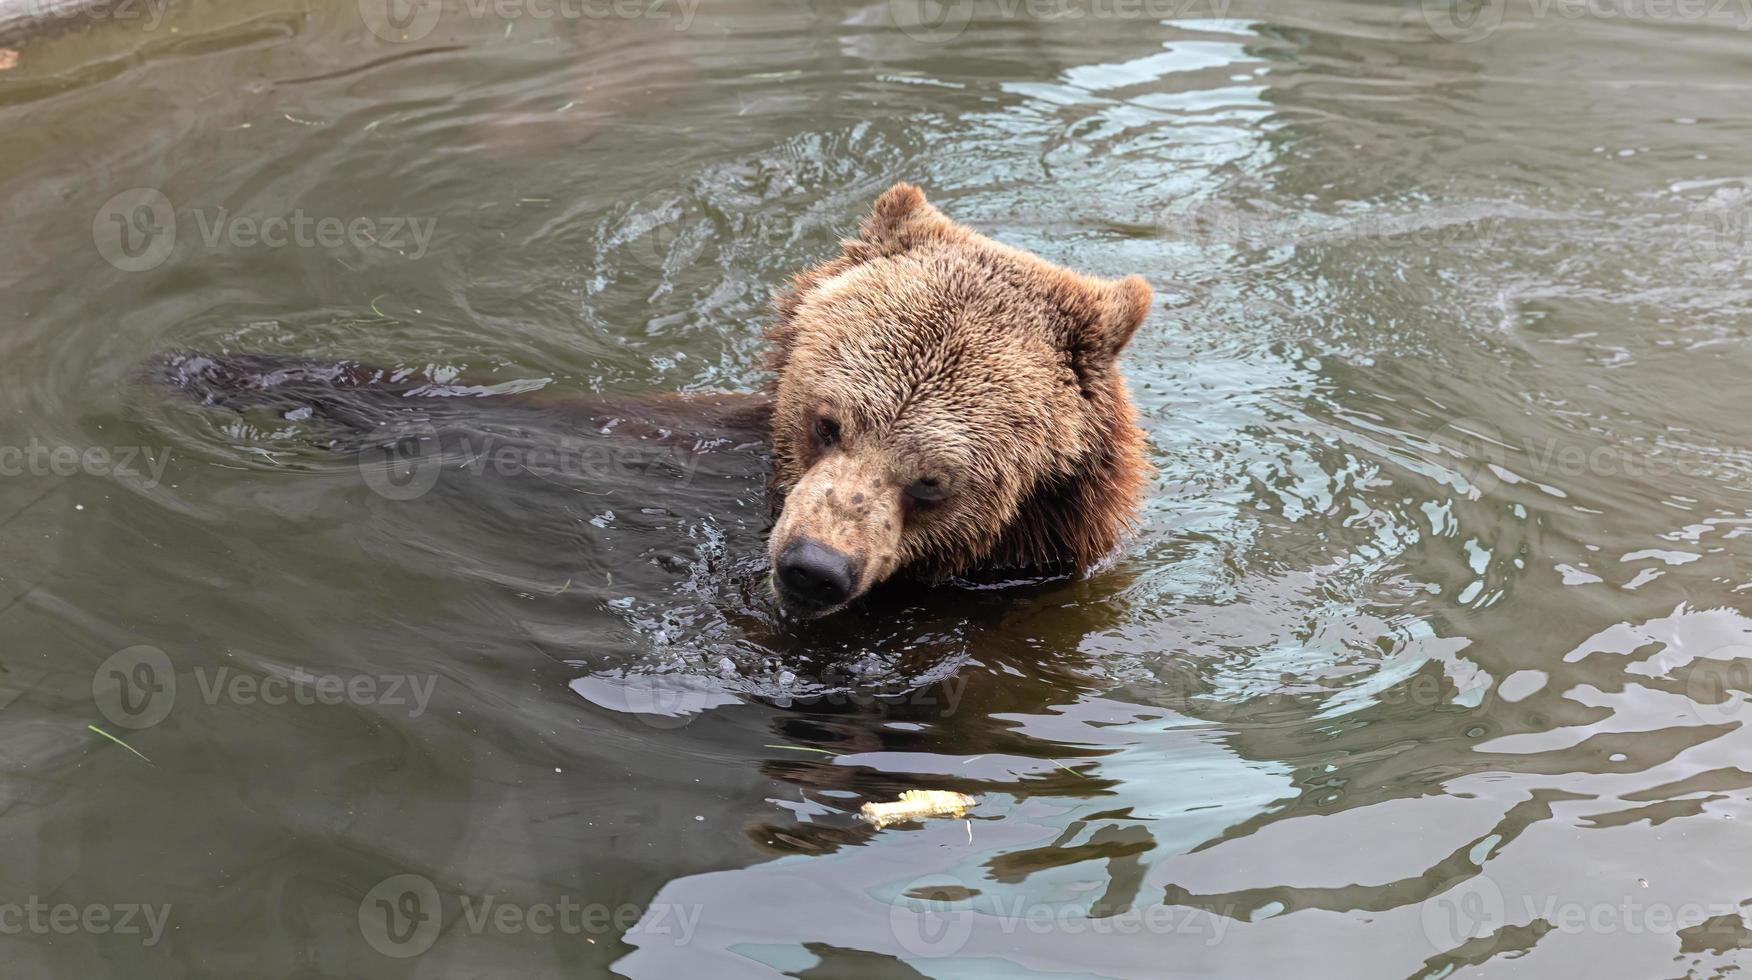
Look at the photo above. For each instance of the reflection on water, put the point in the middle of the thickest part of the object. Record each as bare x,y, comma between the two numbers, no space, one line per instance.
1431,658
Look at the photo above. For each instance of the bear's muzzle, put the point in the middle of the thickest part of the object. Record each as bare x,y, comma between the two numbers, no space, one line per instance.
838,535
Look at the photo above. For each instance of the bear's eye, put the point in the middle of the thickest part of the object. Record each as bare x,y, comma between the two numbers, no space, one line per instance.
827,432
928,490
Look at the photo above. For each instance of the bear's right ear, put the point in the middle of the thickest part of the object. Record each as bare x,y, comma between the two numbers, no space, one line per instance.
899,217
1102,316
1123,305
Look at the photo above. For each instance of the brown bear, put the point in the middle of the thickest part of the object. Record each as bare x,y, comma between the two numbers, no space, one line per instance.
942,401
939,402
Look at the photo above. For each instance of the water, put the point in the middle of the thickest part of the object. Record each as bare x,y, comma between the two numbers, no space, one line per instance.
1431,658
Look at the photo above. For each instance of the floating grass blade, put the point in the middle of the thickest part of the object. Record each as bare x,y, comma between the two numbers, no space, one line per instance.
802,748
118,741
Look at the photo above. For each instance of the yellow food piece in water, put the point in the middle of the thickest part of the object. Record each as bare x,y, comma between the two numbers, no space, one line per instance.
917,804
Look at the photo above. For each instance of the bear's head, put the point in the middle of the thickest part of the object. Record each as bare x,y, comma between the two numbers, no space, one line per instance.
943,401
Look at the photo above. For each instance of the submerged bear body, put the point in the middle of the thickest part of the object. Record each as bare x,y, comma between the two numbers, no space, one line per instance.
939,402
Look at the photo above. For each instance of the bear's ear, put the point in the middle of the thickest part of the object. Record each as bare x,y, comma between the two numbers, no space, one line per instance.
897,219
1118,308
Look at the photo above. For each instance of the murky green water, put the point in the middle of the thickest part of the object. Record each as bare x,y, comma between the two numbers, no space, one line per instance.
1432,657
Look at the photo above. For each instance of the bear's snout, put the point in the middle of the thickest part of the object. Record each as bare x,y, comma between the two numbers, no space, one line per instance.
837,535
814,577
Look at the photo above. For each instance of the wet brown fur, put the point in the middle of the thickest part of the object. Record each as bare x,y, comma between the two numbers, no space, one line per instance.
942,353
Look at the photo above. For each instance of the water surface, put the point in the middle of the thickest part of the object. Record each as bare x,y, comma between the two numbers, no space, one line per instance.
1430,658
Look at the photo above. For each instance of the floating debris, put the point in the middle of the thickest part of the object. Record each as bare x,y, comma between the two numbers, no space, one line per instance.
801,748
917,804
123,744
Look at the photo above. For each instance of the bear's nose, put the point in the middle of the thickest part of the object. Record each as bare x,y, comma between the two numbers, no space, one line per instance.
814,576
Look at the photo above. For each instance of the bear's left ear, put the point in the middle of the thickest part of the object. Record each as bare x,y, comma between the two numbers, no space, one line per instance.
900,217
1119,308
